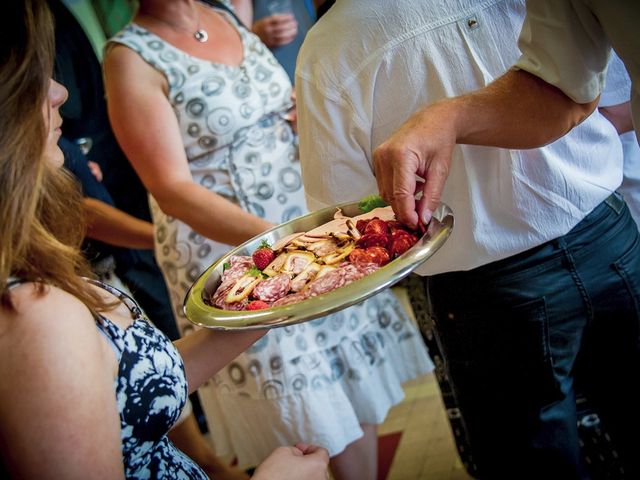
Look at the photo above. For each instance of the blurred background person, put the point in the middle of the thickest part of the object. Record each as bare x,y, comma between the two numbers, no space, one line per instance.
282,26
115,200
200,106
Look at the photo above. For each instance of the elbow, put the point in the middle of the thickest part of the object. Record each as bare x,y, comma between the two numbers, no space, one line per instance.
560,124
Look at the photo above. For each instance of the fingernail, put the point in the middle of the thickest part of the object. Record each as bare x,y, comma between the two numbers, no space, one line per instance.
426,216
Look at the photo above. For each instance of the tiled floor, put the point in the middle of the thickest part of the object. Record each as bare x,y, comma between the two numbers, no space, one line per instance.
426,450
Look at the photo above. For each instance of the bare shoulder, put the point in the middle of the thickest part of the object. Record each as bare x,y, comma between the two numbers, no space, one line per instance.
46,326
56,387
124,65
33,306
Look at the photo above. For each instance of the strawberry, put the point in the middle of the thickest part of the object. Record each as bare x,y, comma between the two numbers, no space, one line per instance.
257,305
263,256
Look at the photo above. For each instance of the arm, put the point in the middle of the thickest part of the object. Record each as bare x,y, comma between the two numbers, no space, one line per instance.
276,30
291,463
115,227
620,116
518,110
205,352
335,144
58,411
244,10
148,132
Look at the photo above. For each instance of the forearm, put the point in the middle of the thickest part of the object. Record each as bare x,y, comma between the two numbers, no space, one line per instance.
244,10
115,227
620,116
205,352
208,213
517,111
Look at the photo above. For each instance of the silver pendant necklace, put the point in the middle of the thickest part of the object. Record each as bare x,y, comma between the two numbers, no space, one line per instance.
200,34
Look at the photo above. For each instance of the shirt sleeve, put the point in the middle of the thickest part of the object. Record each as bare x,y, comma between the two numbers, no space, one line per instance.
334,148
563,43
76,162
617,88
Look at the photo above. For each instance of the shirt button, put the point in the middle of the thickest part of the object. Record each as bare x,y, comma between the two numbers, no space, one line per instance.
472,23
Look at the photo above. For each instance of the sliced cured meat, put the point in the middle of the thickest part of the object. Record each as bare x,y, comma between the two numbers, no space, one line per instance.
300,281
338,225
378,255
323,247
273,288
239,265
291,299
242,288
373,240
376,226
235,306
330,281
218,299
400,242
367,268
274,267
284,241
297,261
337,256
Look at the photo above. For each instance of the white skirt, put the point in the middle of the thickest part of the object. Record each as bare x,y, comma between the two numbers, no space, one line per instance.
320,397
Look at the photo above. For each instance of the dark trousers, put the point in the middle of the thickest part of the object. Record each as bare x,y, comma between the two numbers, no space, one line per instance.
518,334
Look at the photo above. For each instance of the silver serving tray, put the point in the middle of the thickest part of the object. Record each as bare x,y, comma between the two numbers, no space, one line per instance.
204,315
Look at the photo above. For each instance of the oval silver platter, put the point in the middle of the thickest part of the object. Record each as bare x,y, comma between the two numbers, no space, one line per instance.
205,315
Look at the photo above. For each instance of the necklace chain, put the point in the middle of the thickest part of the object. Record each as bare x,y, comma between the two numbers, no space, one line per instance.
200,34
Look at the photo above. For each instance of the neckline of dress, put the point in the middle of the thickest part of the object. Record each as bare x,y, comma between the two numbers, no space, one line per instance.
231,22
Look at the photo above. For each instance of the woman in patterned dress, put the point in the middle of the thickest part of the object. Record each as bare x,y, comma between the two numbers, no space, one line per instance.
200,107
89,388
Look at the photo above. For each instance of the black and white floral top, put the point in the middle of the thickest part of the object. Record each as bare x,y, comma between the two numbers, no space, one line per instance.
151,391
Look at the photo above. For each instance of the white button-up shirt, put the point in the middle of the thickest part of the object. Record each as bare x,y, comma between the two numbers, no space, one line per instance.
617,90
567,43
368,64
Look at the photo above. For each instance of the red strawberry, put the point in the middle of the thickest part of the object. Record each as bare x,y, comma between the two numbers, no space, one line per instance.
263,256
257,305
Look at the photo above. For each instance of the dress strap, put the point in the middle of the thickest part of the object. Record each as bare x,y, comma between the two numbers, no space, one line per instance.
14,282
129,302
227,8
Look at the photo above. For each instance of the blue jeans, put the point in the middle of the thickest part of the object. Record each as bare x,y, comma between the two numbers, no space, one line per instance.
518,334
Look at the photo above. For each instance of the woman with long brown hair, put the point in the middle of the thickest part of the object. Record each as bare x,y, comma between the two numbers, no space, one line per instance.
89,388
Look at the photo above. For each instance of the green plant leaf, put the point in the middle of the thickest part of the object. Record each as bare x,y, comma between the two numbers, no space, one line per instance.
370,202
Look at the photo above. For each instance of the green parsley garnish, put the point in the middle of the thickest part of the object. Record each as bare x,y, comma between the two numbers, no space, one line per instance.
370,202
255,272
225,266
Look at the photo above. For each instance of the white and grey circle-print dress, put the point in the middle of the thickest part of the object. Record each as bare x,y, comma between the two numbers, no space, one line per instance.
314,382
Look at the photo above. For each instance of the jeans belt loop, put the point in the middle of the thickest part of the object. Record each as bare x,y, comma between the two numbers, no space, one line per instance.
615,201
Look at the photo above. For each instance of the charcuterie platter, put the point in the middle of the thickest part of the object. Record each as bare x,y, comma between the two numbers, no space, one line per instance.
312,266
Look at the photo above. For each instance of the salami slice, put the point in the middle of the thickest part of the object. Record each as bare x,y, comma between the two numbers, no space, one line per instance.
273,288
326,283
218,298
239,266
291,299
